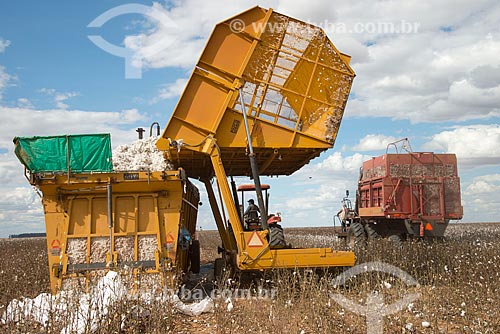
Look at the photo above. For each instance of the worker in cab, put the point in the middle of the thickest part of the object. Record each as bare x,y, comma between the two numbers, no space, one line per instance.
251,216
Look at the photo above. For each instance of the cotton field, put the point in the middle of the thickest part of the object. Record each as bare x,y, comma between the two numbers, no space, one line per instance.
454,283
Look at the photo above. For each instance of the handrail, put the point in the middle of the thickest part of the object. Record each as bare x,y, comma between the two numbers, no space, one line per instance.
405,146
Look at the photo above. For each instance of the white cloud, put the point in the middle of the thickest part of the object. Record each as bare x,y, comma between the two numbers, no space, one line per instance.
313,194
485,76
481,199
3,45
336,163
426,77
474,145
310,11
172,90
30,122
438,72
23,102
11,171
374,142
484,184
59,97
464,93
5,78
193,19
22,196
22,211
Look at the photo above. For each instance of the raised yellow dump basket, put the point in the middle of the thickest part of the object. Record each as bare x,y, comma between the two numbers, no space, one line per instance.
295,86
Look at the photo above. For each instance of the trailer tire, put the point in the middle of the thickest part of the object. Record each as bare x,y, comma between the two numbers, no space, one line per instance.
395,239
356,236
219,265
277,237
194,256
371,233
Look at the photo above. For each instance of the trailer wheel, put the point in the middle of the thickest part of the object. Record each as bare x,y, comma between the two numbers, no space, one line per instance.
194,256
371,233
277,237
356,236
396,240
219,265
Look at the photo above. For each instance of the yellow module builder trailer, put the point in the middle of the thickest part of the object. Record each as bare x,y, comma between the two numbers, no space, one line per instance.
97,219
266,96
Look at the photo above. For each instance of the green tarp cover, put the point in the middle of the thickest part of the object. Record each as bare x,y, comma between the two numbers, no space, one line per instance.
87,153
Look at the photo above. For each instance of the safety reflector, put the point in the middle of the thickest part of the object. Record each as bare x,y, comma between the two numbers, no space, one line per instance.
428,227
255,240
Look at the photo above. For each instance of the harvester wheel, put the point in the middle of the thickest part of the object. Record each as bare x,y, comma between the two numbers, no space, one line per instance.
356,236
277,237
396,240
194,256
371,233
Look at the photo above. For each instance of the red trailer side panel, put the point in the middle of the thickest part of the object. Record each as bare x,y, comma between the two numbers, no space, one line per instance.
417,186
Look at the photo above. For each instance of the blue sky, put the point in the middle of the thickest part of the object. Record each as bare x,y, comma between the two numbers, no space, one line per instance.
50,50
438,84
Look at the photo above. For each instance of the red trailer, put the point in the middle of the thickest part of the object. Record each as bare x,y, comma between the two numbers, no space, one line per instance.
413,194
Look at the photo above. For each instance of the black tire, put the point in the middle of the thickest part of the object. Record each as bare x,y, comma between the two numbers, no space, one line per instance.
371,233
219,265
194,256
356,236
396,240
277,237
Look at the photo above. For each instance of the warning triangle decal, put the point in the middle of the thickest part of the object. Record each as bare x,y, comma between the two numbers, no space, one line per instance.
255,240
170,238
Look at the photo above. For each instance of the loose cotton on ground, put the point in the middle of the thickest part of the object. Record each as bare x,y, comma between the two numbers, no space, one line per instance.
82,313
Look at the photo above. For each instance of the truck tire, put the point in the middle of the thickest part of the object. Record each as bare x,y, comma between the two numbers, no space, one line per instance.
396,240
277,237
356,236
219,265
194,256
371,233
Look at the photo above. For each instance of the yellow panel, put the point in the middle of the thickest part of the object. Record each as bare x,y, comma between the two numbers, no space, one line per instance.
201,95
226,51
78,223
147,216
99,216
124,214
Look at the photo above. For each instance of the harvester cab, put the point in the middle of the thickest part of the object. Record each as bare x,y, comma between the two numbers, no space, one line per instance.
252,216
252,213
